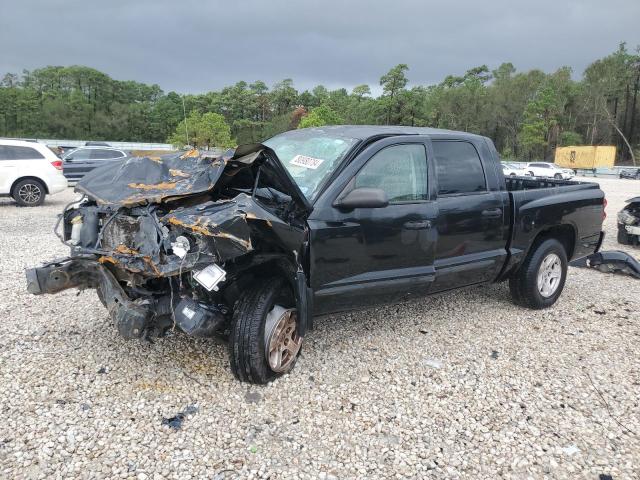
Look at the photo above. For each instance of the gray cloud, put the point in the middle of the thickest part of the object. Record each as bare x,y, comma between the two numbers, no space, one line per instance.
196,46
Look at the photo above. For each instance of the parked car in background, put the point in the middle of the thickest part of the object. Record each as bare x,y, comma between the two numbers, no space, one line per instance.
633,173
514,169
549,170
96,144
629,223
28,172
78,162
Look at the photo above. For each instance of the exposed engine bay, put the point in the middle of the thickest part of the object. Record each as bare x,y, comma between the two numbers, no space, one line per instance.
171,241
629,223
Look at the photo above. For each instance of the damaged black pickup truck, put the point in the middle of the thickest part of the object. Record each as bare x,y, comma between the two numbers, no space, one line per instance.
252,245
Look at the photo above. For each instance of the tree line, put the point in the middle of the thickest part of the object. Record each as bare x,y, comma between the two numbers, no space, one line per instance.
526,114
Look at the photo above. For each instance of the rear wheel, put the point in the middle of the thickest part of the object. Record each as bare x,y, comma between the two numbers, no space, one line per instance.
29,193
539,281
532,174
264,341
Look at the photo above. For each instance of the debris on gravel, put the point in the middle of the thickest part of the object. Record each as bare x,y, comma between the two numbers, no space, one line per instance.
461,385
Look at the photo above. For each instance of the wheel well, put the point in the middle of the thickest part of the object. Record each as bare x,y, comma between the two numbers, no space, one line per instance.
565,234
29,177
263,270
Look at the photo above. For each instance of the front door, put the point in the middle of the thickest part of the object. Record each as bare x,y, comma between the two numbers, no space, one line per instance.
370,255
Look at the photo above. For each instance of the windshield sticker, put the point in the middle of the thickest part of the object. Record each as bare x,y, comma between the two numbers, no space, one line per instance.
307,162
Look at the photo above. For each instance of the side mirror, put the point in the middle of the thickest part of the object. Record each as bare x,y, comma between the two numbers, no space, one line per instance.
363,198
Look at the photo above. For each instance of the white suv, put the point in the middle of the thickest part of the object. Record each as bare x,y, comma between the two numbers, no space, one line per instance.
28,172
548,170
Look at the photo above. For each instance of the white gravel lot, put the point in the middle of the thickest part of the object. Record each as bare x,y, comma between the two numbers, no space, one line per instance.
462,385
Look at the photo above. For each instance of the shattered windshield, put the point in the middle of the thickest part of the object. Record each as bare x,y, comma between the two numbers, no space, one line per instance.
310,156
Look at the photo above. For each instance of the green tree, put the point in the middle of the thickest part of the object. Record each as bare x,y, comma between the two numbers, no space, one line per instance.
392,83
319,117
204,130
540,116
569,138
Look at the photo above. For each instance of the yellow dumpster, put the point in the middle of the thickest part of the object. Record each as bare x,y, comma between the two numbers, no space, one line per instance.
585,157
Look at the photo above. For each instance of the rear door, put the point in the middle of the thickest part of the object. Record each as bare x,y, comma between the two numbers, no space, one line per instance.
472,223
372,255
8,169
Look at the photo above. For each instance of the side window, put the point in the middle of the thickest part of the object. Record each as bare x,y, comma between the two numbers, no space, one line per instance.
399,170
104,154
458,168
3,153
116,154
80,154
99,154
22,153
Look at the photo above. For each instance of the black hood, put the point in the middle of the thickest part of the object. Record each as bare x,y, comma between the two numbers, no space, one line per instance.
146,180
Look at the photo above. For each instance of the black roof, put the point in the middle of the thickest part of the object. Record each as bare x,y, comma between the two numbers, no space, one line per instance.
363,132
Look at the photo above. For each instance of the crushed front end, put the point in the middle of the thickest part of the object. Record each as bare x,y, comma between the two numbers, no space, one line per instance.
629,223
171,242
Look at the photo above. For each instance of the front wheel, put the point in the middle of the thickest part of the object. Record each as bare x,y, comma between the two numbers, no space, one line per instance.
540,280
264,341
558,176
29,193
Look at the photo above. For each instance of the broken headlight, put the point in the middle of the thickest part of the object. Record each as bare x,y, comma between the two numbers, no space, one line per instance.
625,218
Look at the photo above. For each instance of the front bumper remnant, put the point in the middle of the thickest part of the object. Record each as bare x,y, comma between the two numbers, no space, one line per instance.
131,318
610,261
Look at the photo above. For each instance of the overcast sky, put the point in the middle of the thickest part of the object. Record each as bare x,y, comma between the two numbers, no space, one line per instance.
195,46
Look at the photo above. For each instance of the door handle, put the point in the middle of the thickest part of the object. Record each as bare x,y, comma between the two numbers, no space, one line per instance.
492,212
417,225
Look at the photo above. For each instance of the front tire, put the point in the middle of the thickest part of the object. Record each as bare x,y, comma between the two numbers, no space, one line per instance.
264,344
539,281
29,193
558,176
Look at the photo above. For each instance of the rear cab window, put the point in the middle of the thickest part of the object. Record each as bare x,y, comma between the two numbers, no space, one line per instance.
458,168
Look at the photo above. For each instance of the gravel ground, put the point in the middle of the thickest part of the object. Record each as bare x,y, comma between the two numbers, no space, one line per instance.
459,385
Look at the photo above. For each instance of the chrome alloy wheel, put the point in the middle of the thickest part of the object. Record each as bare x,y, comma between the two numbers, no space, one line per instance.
549,275
30,193
282,342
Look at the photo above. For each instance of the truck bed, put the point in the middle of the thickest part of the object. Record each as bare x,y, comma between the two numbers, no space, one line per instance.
532,183
538,204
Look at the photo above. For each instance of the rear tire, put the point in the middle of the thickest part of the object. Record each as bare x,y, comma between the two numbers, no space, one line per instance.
539,281
29,193
247,342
